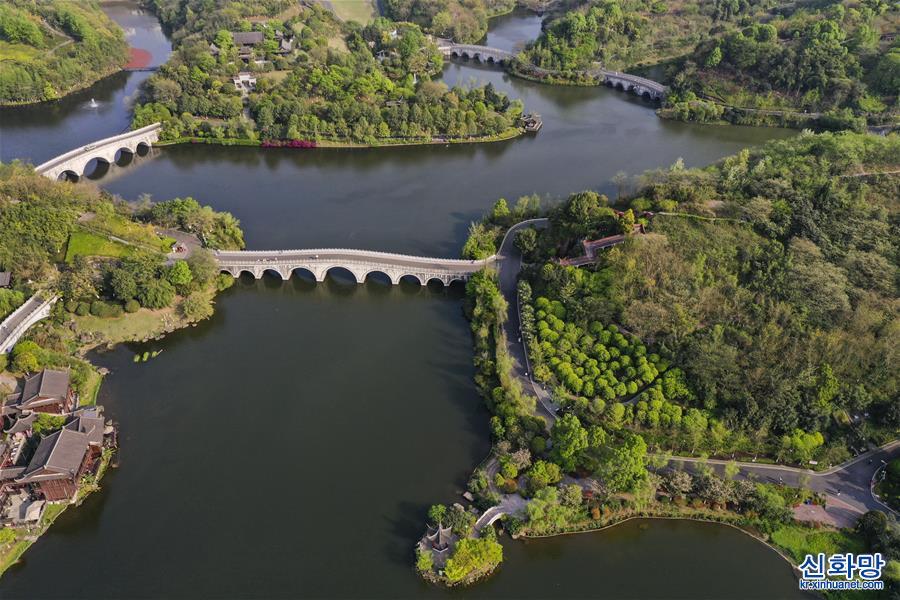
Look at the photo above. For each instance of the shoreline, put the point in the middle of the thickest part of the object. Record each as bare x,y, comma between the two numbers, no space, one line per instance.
743,530
74,90
510,134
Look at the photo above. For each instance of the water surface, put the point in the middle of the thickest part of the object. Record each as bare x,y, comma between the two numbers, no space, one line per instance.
39,132
290,446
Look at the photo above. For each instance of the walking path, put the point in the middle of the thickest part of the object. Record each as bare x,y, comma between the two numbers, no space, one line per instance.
15,325
848,486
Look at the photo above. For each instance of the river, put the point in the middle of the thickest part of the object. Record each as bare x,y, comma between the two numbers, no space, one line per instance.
289,446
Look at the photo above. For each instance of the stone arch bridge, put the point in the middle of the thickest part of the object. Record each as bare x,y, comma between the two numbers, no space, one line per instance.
640,86
484,54
105,150
360,263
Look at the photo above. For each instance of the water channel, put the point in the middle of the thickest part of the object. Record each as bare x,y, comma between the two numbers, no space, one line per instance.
289,446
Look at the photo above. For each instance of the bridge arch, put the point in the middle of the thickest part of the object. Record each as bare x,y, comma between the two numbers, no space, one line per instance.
303,273
273,272
338,269
410,277
68,175
105,150
378,274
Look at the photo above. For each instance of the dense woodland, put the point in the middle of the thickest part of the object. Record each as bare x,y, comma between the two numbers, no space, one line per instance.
464,21
340,83
48,49
837,57
768,303
831,60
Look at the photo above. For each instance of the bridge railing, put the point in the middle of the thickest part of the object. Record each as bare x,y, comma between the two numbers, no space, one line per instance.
93,145
637,79
224,256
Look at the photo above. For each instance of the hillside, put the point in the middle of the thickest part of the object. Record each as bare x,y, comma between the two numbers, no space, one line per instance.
49,49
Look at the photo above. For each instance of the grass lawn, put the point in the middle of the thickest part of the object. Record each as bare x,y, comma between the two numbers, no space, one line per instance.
361,11
799,541
91,388
140,325
126,229
83,243
19,52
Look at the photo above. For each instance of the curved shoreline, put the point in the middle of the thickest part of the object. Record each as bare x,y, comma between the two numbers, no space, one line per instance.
762,541
510,134
73,90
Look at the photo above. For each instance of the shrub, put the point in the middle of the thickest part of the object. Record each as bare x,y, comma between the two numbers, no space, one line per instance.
132,306
105,310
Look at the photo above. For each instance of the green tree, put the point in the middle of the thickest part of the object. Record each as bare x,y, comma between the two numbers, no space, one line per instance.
437,513
122,285
526,240
500,212
622,466
473,557
156,293
179,275
542,474
570,439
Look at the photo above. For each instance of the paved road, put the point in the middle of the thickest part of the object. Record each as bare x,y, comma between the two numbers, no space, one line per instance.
510,261
340,256
848,485
26,312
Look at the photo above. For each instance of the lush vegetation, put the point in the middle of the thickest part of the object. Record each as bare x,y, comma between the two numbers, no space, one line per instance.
338,83
104,259
623,34
464,21
473,558
828,59
746,62
48,49
889,487
770,306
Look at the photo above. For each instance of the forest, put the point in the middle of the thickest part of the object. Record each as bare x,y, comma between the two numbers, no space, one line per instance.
48,49
464,21
339,83
839,59
758,314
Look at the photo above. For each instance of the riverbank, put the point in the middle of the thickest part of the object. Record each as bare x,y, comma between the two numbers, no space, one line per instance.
21,539
509,134
80,86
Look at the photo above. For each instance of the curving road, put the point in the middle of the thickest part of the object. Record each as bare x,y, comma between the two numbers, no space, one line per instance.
510,261
848,486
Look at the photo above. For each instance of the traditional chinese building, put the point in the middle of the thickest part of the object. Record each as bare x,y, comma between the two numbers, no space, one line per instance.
46,392
64,457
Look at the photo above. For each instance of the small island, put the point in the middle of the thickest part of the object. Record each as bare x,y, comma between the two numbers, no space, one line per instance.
304,79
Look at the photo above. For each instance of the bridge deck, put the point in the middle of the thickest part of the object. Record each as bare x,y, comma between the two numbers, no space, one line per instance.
94,147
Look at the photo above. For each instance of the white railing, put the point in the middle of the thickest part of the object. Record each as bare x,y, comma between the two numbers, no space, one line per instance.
29,315
88,148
